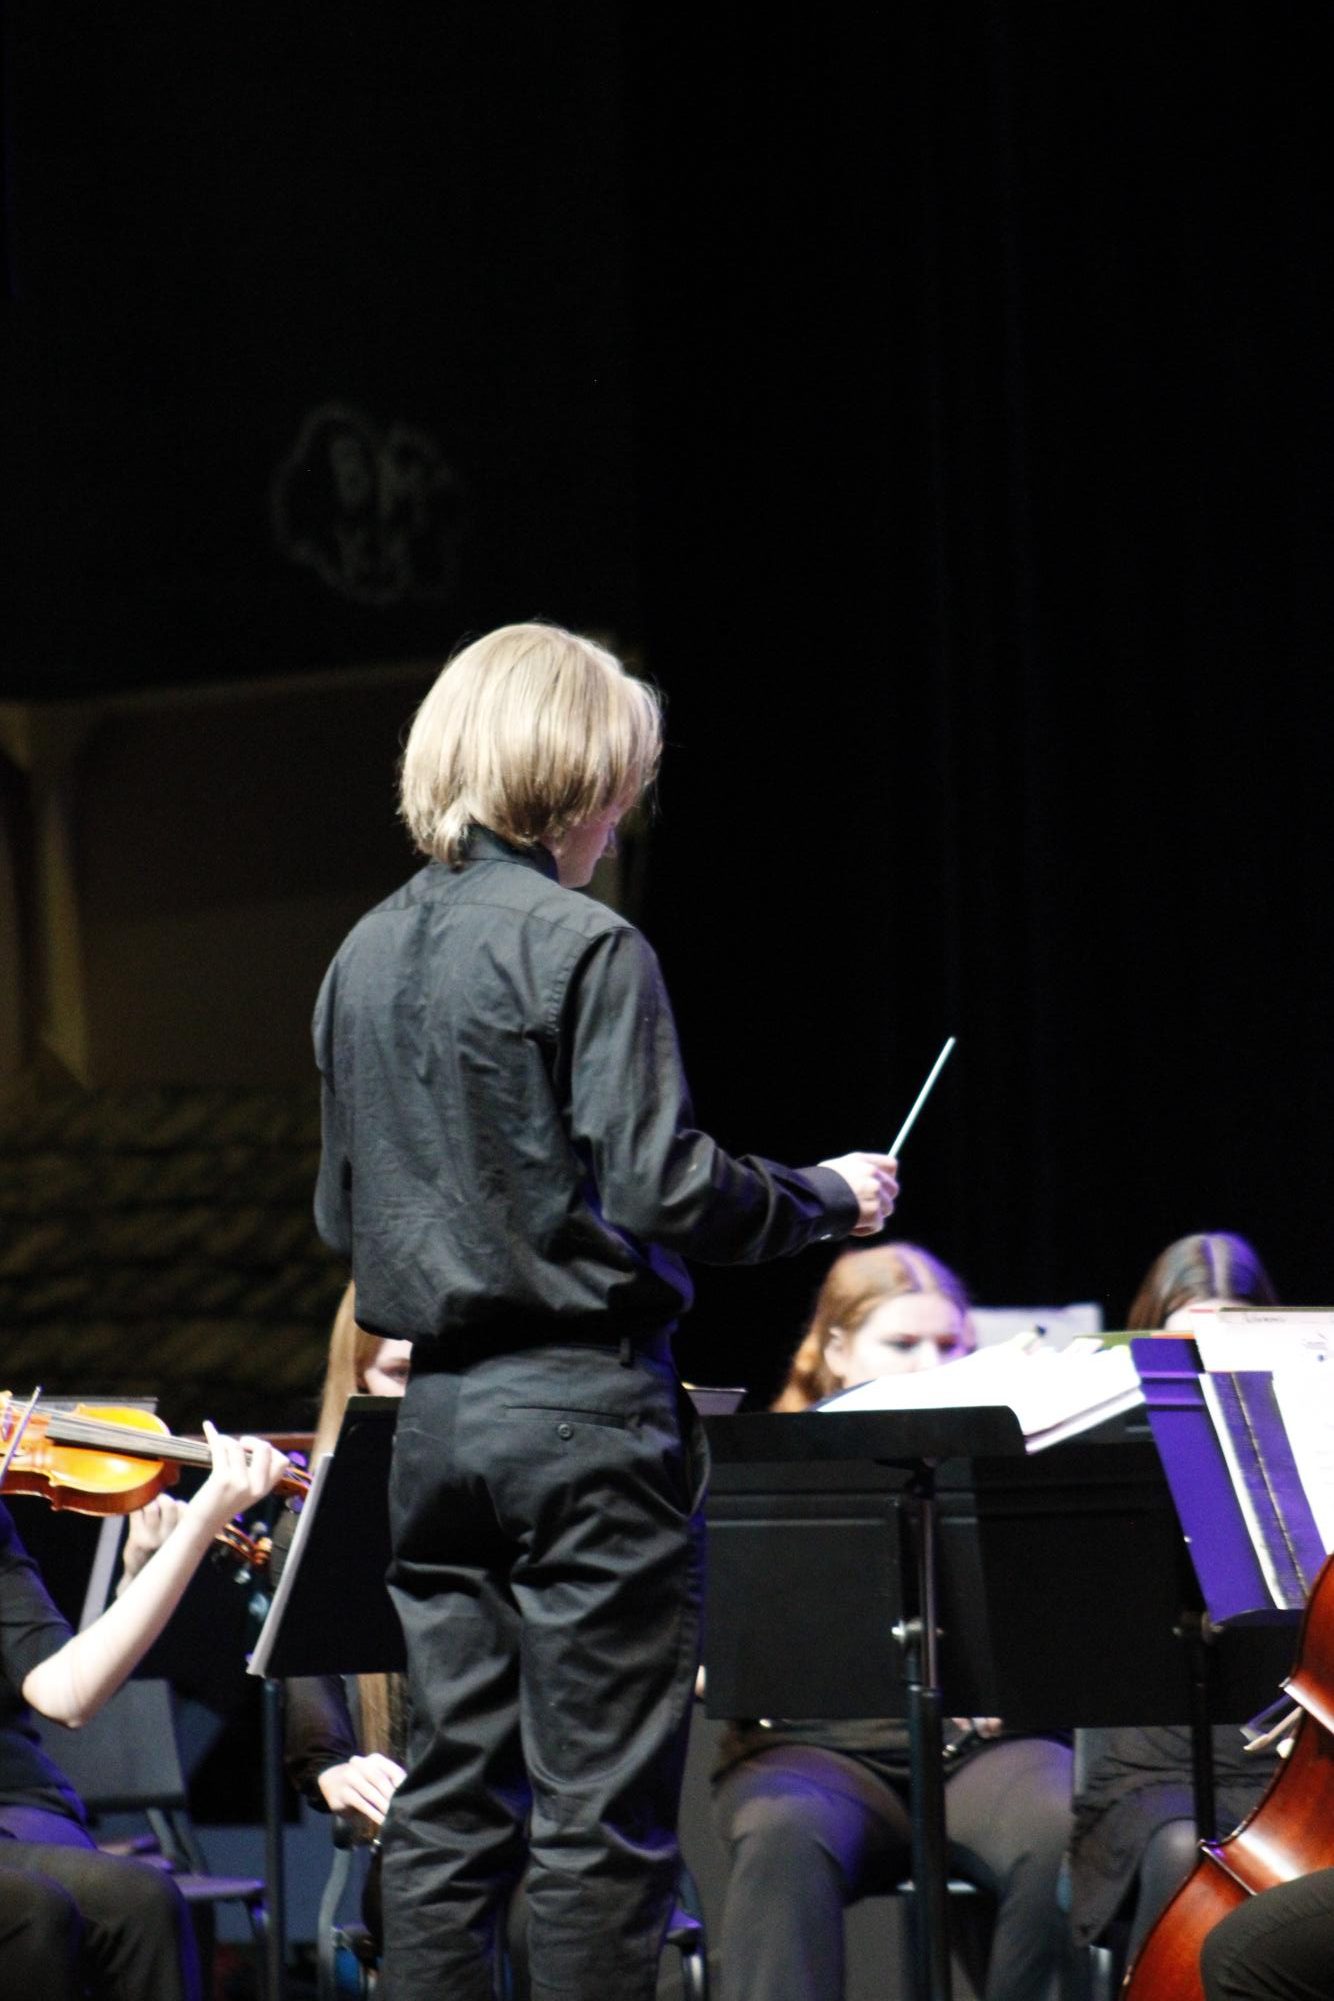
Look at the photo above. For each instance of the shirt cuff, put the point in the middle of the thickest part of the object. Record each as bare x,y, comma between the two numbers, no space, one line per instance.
842,1209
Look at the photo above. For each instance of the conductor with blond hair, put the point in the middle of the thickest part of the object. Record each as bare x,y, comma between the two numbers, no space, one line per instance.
513,1168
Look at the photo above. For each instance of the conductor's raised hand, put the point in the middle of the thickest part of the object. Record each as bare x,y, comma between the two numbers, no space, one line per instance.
874,1180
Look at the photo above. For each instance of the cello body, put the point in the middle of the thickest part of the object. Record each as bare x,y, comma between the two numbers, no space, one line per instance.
1287,1835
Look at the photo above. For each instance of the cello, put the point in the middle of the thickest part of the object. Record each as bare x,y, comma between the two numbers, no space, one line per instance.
1289,1833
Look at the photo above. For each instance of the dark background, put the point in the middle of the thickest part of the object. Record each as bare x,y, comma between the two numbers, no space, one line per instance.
939,410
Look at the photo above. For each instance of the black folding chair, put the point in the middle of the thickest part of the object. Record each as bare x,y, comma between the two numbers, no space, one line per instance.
127,1761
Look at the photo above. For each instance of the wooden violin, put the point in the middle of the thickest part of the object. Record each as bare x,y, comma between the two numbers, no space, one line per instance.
106,1459
1287,1835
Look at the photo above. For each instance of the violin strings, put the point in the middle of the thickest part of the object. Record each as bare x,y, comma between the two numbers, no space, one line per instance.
135,1444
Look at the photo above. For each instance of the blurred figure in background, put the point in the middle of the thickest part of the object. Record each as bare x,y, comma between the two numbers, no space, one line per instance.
1134,1841
816,1814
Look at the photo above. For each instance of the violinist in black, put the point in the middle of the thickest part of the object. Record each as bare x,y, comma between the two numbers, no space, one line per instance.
74,1922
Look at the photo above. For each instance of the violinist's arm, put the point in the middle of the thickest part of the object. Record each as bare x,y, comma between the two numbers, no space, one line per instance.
71,1685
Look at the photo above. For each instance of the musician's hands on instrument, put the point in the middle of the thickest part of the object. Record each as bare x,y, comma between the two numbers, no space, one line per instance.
874,1180
362,1786
148,1528
244,1471
71,1685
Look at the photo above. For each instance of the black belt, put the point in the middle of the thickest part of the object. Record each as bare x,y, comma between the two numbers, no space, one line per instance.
434,1353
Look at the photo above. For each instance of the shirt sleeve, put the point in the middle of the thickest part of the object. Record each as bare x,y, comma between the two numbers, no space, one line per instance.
658,1177
31,1627
318,1732
333,1184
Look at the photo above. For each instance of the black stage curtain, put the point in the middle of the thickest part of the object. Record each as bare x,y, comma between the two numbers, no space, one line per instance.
939,401
985,397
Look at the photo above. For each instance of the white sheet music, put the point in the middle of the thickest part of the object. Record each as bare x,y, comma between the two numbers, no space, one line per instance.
1054,1394
1305,1394
1261,1337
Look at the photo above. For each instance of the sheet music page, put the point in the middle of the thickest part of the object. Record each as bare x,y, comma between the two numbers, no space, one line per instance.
1305,1393
1230,1338
1046,1389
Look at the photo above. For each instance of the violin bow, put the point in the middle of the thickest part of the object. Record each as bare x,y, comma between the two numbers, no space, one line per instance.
19,1430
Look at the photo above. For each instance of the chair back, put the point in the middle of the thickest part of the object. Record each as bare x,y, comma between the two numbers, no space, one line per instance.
126,1759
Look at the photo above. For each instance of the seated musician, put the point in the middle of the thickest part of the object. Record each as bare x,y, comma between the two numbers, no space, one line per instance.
74,1922
343,1765
1135,1839
815,1814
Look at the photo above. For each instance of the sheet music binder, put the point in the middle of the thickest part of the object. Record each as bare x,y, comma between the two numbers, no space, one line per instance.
332,1613
1234,1482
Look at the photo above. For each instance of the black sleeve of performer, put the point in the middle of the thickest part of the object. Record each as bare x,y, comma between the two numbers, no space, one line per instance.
318,1732
333,1183
31,1628
657,1176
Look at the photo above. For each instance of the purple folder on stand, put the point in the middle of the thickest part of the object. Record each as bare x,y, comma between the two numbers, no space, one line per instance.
1256,1553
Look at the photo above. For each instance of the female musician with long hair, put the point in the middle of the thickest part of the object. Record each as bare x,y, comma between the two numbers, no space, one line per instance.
1135,1838
344,1762
815,1814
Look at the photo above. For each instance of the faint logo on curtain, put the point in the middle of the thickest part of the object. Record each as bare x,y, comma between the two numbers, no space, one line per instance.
374,511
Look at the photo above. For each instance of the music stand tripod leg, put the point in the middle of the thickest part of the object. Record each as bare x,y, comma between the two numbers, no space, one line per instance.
273,1976
928,1913
1194,1631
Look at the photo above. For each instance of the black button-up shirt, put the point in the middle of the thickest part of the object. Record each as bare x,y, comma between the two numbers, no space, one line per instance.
509,1146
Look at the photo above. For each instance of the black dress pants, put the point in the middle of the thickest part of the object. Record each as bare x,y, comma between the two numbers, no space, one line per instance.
1278,1946
548,1540
76,1922
810,1831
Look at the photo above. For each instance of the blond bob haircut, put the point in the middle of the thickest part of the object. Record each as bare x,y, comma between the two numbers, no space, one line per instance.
854,1286
529,731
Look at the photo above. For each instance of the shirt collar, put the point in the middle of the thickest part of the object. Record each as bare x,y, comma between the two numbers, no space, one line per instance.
483,845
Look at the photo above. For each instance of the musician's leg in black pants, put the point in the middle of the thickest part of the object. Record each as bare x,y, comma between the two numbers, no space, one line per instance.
547,1571
811,1830
1170,1853
75,1921
1275,1947
1007,1815
40,1936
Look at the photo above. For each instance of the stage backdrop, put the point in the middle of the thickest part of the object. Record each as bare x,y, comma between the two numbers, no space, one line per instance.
939,406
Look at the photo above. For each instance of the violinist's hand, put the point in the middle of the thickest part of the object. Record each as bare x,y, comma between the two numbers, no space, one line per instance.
363,1785
874,1180
244,1471
148,1529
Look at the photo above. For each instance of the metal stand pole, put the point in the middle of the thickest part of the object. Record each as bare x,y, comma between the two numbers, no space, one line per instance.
275,1935
1194,1631
928,1912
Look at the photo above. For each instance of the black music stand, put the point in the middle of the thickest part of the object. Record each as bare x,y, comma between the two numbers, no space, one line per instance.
1059,1583
338,1559
881,1562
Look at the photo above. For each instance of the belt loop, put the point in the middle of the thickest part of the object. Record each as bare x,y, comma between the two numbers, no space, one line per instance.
627,1351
